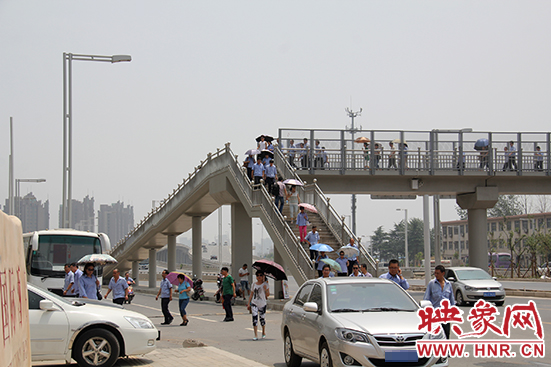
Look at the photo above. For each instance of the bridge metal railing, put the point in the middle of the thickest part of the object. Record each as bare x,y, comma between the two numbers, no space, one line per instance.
258,196
312,194
447,151
255,197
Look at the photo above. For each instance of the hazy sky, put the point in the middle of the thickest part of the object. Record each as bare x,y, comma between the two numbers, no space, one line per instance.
209,72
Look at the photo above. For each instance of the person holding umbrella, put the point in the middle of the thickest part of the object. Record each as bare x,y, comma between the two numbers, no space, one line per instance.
89,283
183,297
257,303
343,262
262,143
294,200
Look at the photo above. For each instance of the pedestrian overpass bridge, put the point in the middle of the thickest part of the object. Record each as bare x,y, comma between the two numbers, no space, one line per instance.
437,162
221,180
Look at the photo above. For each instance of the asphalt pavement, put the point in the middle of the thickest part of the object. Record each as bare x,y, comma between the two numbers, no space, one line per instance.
231,343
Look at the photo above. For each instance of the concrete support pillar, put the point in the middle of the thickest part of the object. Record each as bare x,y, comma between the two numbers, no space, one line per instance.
136,271
171,252
426,235
241,240
476,204
152,268
478,238
196,247
278,288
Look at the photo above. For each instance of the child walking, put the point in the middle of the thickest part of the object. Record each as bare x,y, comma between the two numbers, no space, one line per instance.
257,303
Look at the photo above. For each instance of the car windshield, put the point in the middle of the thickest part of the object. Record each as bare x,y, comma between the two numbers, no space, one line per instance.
472,274
368,297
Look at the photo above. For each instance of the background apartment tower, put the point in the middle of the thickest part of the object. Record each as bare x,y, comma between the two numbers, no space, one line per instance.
115,220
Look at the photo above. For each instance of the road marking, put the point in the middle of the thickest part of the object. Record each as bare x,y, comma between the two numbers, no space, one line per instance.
203,319
151,308
249,328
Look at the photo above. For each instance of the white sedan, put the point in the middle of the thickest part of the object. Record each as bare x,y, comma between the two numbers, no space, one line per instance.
92,335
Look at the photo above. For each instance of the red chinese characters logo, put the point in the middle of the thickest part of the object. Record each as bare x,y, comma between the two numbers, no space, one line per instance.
441,315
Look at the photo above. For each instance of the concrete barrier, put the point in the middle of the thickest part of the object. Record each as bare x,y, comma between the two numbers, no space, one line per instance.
15,348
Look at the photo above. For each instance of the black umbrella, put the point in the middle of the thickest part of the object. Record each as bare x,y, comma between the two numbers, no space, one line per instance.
266,138
267,153
271,269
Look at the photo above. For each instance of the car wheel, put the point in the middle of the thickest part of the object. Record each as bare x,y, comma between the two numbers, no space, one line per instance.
325,356
459,300
96,347
291,359
500,303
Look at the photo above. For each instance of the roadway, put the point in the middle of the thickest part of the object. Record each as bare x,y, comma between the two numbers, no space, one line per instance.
236,337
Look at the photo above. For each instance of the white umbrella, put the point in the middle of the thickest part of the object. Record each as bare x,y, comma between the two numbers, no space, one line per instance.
349,251
252,152
292,181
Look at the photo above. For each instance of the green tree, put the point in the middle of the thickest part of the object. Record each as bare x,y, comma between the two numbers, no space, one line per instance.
507,205
379,241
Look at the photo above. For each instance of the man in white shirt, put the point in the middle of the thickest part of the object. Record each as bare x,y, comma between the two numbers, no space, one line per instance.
356,271
244,279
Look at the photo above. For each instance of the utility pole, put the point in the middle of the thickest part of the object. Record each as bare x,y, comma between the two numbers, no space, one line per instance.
11,200
353,130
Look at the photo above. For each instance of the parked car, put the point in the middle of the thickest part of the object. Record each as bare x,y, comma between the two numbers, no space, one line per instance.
544,269
471,284
353,322
213,257
90,333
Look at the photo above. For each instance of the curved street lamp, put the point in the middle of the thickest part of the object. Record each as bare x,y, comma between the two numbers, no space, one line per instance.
68,125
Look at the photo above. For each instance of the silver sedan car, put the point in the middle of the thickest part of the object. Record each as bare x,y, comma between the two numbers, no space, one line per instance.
354,322
472,284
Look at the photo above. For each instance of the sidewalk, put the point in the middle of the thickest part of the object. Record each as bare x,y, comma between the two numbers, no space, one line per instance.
170,357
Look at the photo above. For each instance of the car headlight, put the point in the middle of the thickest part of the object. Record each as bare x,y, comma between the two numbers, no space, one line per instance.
139,323
467,288
352,336
440,335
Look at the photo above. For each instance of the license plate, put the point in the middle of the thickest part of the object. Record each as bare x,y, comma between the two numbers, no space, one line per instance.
489,294
401,356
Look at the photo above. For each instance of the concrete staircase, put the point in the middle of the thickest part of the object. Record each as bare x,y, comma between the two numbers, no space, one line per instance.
325,234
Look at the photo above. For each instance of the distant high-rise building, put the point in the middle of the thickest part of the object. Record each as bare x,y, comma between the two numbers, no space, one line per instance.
82,214
115,220
34,214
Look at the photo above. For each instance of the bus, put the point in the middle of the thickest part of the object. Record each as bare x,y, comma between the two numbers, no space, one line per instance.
48,251
499,260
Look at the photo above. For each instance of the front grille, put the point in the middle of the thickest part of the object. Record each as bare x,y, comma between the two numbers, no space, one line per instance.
382,363
398,340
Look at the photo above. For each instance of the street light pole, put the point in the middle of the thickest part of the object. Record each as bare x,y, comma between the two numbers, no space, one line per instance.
68,125
352,115
405,234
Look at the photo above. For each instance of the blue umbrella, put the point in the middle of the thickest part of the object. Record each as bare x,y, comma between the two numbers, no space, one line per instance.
321,247
481,144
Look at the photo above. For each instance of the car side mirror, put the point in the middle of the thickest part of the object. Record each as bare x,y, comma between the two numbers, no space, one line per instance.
451,279
47,305
311,307
494,278
424,303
